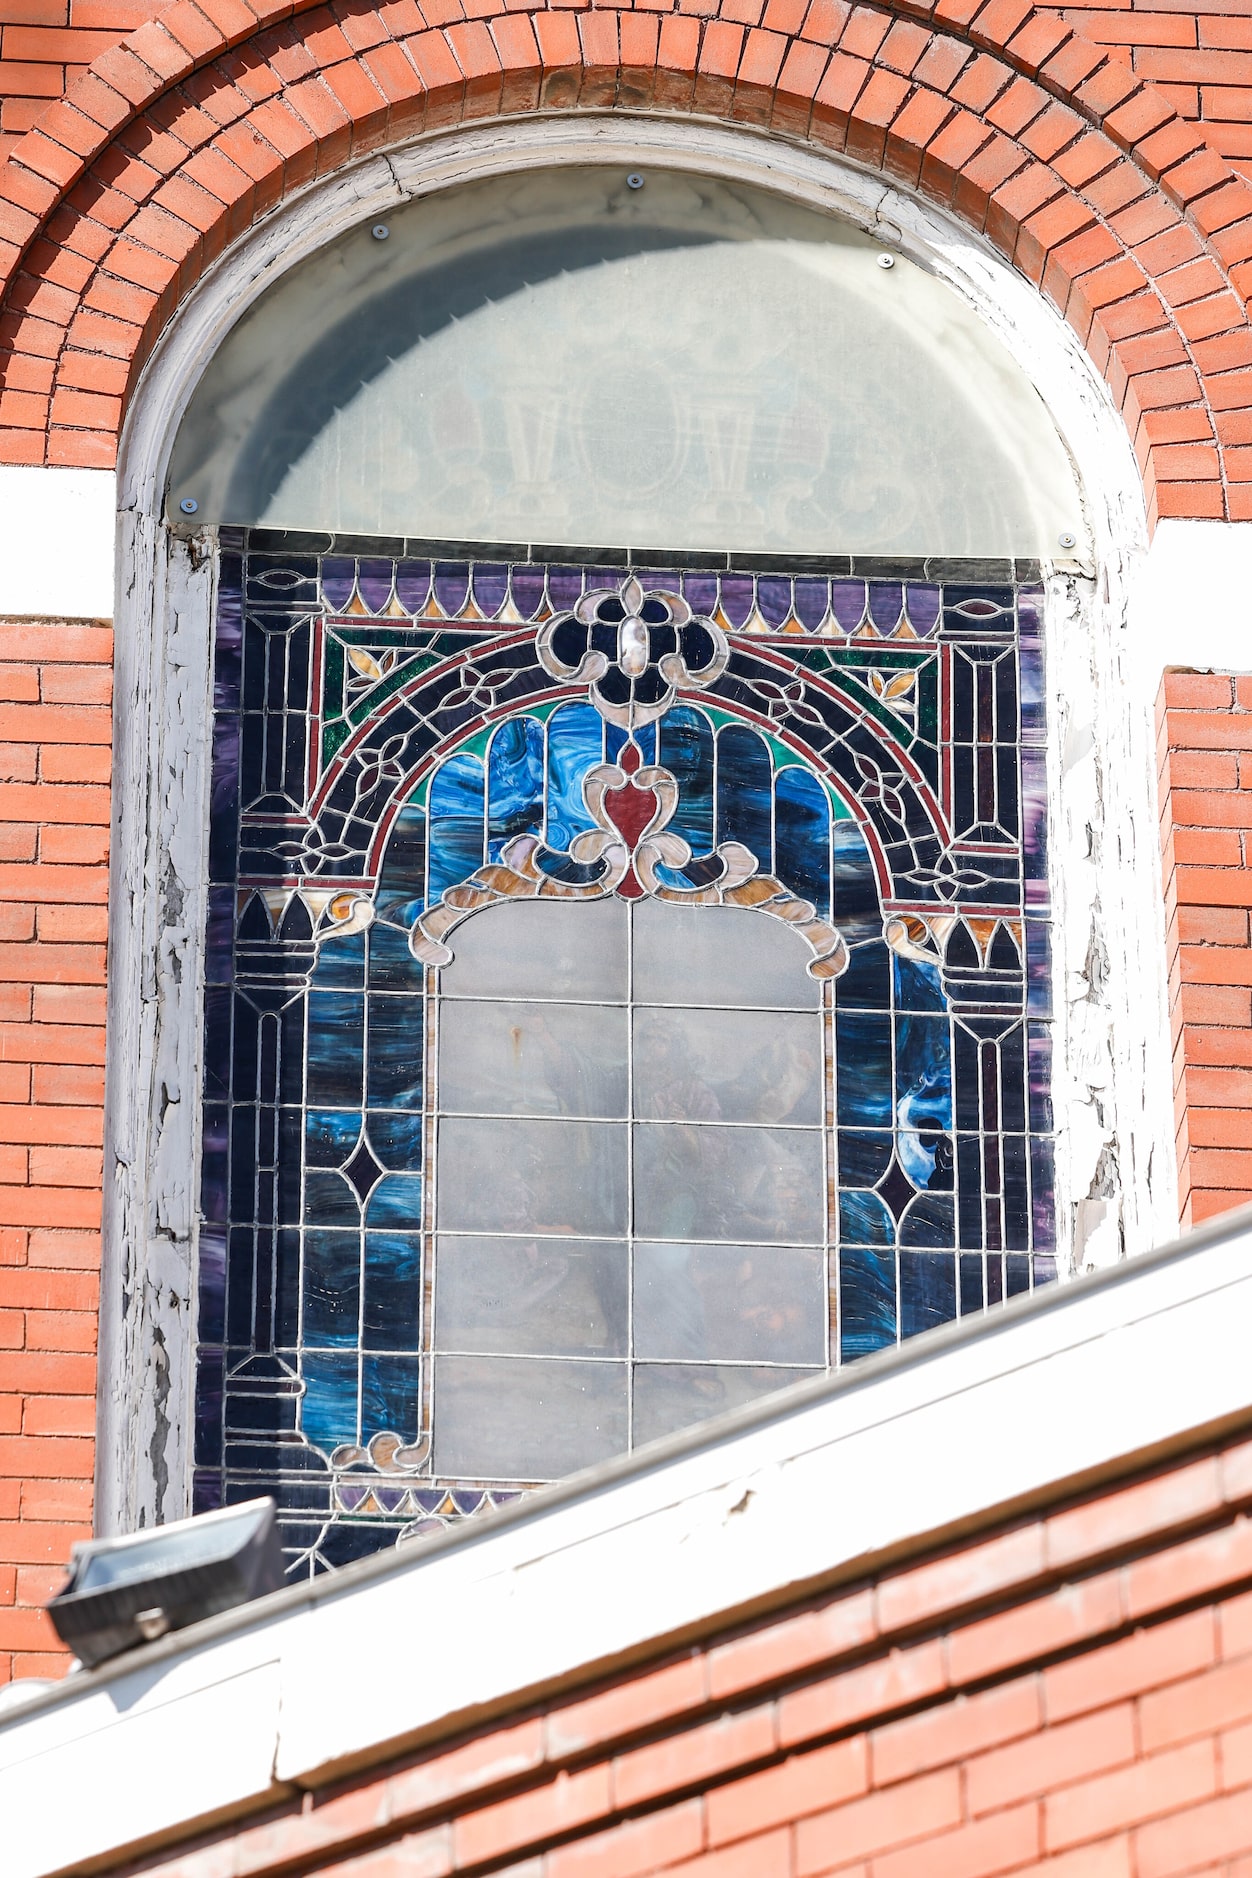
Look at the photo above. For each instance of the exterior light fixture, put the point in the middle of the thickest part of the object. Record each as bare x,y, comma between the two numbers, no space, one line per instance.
128,1591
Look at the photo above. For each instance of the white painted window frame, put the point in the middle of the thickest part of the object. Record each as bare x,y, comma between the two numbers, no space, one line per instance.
1116,1177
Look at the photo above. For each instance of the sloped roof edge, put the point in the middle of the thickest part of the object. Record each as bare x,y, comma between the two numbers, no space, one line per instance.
825,1482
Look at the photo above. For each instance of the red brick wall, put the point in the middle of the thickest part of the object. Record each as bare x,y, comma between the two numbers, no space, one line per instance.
1205,753
1200,57
55,725
1070,1695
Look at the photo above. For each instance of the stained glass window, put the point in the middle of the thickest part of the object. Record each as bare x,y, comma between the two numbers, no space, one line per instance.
627,992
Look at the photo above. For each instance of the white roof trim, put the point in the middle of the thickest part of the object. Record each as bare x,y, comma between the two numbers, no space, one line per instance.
679,1538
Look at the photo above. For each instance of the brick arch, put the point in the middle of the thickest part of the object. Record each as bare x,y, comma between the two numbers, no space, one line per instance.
176,141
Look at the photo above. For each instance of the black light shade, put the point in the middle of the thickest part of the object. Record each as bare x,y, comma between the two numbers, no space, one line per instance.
128,1591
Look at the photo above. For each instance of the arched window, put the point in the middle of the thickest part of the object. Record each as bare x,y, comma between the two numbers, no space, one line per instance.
626,972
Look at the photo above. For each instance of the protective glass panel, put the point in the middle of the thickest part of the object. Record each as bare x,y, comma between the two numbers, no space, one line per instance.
670,1396
683,957
554,357
729,1183
532,1296
727,1066
533,1059
546,957
510,1419
562,1177
730,1303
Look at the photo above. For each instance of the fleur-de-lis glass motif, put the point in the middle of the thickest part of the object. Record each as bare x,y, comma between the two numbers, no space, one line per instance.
633,646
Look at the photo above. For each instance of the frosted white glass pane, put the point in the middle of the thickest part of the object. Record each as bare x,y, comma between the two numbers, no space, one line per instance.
725,955
553,357
670,1396
519,1418
733,1184
728,1066
531,1296
540,949
730,1303
532,1059
562,1177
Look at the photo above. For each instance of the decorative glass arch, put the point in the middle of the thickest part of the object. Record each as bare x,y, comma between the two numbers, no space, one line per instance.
689,365
724,887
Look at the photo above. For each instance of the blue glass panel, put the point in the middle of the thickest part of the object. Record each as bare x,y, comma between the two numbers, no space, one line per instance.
929,1221
867,1302
745,792
857,914
393,1291
336,1033
390,1396
863,1051
396,1046
863,1157
457,824
396,1201
919,987
341,961
329,1200
685,747
973,1289
802,836
397,1139
575,745
332,1288
328,1411
403,874
392,966
927,1291
923,1074
864,1220
866,984
515,774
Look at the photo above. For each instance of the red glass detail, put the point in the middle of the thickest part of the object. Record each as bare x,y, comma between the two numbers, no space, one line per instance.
630,808
628,886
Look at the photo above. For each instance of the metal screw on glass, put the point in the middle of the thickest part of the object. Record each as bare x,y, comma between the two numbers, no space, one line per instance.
886,260
1067,540
189,505
634,180
380,231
